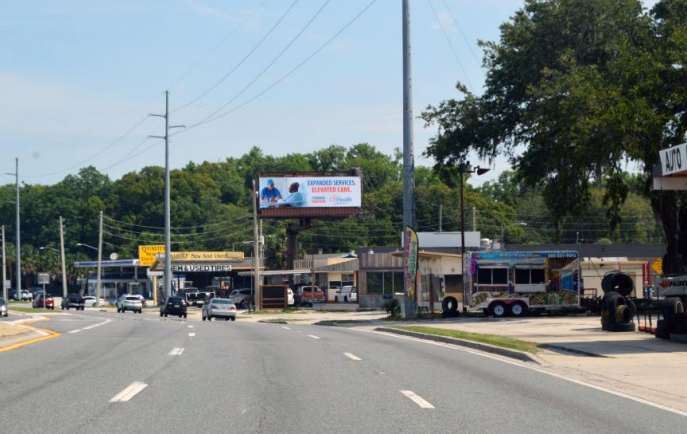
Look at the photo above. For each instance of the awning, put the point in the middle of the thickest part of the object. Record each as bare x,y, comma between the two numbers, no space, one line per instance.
117,263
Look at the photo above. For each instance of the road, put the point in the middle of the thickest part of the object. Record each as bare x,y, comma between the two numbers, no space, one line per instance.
177,376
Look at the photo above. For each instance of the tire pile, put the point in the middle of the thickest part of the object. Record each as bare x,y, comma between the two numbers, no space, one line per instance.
674,319
617,309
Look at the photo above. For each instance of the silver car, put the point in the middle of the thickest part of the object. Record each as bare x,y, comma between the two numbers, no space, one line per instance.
129,302
219,308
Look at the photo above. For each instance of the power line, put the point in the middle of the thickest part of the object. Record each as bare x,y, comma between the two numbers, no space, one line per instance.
221,80
461,32
178,227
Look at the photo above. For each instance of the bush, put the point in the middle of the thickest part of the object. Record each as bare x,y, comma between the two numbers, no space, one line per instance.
392,308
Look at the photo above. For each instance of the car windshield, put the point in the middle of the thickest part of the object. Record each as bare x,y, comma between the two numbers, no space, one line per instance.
221,301
134,298
175,300
2,300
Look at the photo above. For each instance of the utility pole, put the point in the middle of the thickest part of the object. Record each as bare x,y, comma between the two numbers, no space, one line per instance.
64,265
168,218
441,210
100,262
408,306
4,269
262,242
256,249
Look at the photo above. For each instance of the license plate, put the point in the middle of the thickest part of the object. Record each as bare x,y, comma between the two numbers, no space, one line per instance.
176,305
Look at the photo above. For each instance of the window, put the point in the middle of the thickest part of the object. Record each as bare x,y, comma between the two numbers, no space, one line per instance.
538,276
384,282
522,277
484,276
492,276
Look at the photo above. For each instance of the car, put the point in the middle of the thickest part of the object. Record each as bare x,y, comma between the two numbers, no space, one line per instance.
304,295
90,301
219,308
74,300
12,294
289,297
174,306
242,297
3,308
346,294
47,302
26,295
129,302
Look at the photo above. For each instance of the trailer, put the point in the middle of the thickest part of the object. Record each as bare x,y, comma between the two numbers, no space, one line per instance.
672,293
514,283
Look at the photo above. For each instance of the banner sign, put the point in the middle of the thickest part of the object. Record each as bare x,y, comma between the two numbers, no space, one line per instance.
646,274
146,254
310,192
410,261
673,160
207,256
200,268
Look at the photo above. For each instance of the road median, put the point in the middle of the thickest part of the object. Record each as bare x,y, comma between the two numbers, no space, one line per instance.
13,335
503,346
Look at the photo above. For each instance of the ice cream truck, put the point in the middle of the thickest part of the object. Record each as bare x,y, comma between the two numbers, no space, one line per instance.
513,283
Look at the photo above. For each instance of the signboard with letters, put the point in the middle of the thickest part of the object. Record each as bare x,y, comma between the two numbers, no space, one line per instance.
199,268
146,254
673,160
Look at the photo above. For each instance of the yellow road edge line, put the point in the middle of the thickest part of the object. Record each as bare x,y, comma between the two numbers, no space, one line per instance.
51,334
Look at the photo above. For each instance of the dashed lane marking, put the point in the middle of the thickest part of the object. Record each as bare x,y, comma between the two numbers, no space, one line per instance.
176,351
286,328
313,336
352,357
75,331
416,399
129,392
191,334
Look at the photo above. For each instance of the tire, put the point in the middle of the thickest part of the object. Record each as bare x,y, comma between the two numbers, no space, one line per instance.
449,304
166,314
661,330
233,318
623,315
204,318
670,307
628,327
518,309
498,309
209,317
160,314
185,316
345,299
336,299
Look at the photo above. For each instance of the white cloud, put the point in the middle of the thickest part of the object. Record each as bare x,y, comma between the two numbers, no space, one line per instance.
209,11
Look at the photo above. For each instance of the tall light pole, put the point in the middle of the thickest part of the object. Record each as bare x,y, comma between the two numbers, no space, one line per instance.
408,152
503,230
168,219
64,264
18,243
464,168
99,269
64,274
4,269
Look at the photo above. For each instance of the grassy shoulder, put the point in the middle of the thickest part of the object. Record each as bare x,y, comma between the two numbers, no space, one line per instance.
31,310
498,341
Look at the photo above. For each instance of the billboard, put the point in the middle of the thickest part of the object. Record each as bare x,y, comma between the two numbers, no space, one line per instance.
146,254
309,195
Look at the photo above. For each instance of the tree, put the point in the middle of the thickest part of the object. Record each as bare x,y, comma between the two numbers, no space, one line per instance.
583,85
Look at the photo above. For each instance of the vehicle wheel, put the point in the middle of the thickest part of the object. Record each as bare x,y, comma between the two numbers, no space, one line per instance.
518,309
498,310
345,299
165,314
670,307
204,318
336,299
450,304
623,315
226,318
185,316
233,318
209,318
140,311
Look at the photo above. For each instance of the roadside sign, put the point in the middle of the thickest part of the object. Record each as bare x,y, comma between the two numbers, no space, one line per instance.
8,283
146,254
646,274
657,265
43,278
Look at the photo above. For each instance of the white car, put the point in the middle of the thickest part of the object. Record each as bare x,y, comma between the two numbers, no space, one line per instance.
89,301
347,294
289,297
129,302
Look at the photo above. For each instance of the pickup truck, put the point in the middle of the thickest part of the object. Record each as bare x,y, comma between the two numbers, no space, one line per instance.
75,301
304,295
346,294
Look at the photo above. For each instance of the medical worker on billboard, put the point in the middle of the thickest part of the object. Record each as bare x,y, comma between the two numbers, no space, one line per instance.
270,193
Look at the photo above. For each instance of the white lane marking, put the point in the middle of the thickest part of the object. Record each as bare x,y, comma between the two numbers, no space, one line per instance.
75,331
190,327
313,336
89,327
416,399
192,334
352,357
286,328
176,352
571,380
96,325
129,392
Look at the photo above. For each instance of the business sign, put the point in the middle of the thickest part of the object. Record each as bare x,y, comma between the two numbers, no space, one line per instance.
410,261
673,160
646,274
207,256
43,278
200,268
310,192
657,265
146,254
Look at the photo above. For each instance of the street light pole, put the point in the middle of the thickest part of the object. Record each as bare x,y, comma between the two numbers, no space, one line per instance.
64,265
100,262
4,269
18,236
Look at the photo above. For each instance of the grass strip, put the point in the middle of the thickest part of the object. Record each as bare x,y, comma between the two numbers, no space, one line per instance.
31,310
497,341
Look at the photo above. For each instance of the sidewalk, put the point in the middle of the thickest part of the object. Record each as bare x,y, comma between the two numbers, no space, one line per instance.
633,363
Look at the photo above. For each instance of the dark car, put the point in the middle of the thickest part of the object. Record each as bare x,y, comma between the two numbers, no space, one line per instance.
44,301
174,306
75,301
3,307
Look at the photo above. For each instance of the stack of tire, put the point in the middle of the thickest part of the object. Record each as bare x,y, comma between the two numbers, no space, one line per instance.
674,319
617,309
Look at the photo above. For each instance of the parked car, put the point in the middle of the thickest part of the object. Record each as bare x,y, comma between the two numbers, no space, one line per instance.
174,306
290,300
3,308
346,294
74,300
90,301
242,297
129,302
26,295
219,308
34,290
304,295
12,294
47,302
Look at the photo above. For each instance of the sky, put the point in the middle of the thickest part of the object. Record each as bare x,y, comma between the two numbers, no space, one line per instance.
78,78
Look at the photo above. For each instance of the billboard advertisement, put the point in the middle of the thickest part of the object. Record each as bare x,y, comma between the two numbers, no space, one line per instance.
309,192
146,254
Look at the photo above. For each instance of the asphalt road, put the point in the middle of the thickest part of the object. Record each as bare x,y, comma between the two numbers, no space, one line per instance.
272,378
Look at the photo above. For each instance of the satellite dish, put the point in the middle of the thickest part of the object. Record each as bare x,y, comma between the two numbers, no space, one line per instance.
114,256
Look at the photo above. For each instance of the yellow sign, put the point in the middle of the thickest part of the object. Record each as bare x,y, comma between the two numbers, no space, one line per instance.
657,265
207,256
146,254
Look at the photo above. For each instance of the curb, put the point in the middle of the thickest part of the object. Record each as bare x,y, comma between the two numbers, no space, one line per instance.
506,352
570,350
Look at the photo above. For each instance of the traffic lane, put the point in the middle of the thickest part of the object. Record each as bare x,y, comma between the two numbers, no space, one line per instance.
81,371
258,378
14,317
461,384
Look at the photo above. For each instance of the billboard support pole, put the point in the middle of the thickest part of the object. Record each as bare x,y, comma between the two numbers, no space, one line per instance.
256,252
